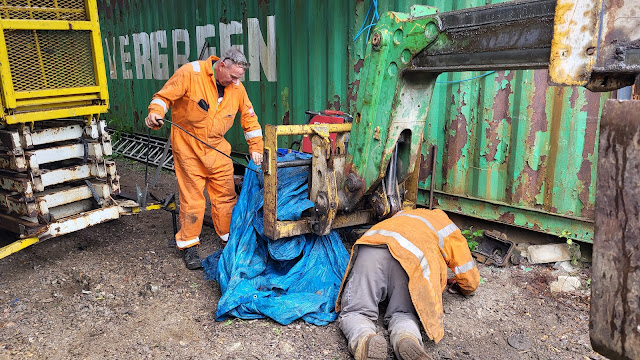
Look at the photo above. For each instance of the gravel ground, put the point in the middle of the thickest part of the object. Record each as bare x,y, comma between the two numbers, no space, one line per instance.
117,291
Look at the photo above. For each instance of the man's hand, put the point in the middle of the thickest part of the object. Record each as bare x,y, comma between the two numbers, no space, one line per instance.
153,121
256,157
454,288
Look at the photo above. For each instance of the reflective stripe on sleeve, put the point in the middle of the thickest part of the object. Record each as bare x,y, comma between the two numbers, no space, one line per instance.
161,103
464,268
251,134
186,244
408,245
196,66
447,230
440,238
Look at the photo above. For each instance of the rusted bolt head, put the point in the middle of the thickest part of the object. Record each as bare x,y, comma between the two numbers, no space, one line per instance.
378,208
376,40
352,183
322,204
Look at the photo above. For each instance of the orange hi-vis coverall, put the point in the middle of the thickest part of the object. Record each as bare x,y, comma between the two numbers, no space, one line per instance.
196,165
425,242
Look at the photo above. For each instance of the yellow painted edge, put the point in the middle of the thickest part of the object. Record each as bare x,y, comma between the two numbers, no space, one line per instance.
47,102
54,114
99,66
309,129
17,246
57,92
154,207
6,81
19,24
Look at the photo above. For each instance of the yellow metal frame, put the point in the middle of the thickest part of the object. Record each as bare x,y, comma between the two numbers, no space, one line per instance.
23,243
138,209
30,106
17,246
273,228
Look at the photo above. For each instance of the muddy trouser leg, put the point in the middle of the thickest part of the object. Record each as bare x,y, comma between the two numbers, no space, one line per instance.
401,317
365,288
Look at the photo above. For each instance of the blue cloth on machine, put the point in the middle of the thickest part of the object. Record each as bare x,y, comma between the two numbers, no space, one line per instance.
285,279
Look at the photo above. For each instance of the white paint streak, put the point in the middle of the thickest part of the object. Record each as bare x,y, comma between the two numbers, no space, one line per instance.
180,36
142,55
111,56
261,53
125,57
158,40
151,55
203,34
226,30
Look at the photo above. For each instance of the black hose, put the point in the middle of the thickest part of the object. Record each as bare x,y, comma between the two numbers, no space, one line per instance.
211,147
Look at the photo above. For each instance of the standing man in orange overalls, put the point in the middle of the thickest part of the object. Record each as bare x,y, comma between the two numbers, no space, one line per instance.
205,97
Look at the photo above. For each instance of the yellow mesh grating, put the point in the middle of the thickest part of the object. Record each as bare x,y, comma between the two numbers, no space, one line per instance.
50,59
69,10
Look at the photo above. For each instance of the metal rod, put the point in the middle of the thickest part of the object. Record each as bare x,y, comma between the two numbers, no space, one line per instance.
146,163
293,163
209,146
203,51
163,158
434,152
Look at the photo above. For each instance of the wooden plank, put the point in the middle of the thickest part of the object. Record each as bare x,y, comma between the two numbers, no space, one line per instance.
615,293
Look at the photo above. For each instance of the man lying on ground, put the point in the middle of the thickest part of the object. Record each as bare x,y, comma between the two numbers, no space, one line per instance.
403,259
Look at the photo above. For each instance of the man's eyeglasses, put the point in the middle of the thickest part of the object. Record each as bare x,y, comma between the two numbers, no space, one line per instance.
242,64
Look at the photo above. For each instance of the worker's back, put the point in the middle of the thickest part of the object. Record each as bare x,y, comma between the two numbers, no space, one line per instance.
425,242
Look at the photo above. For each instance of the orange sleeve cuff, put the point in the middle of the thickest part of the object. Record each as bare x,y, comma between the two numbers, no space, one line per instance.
256,144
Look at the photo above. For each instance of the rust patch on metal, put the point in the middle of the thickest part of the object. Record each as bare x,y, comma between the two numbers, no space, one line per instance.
530,180
285,118
500,111
457,137
352,94
591,107
358,66
425,166
335,104
508,218
554,139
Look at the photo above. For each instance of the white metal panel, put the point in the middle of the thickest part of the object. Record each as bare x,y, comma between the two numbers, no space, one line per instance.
82,221
573,49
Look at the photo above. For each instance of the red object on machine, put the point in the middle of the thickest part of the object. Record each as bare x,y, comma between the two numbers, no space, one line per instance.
325,117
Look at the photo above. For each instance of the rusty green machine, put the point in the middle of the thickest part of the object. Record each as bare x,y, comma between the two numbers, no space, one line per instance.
372,172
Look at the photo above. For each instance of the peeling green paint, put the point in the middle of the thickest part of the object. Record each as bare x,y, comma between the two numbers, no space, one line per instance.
505,138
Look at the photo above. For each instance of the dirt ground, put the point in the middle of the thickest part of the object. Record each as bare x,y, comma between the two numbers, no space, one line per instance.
117,291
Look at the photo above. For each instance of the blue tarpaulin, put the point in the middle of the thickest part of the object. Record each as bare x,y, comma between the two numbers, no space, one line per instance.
285,279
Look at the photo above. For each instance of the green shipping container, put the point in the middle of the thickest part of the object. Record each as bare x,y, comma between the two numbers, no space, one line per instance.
510,148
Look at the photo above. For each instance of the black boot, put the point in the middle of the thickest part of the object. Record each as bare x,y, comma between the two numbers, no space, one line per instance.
191,258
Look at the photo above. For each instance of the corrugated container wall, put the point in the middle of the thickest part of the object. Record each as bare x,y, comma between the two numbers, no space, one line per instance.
510,148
